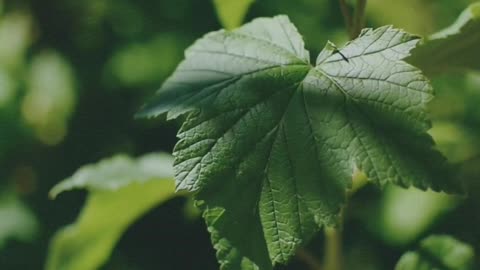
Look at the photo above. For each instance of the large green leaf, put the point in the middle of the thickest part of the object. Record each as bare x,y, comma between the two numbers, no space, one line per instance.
232,12
120,191
454,48
270,142
439,252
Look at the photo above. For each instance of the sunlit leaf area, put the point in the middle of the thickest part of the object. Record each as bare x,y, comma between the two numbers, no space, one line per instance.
239,135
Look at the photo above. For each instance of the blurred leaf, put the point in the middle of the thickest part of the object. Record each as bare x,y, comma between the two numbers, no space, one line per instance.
120,191
454,48
232,12
50,97
117,172
16,220
446,11
146,63
438,252
454,140
15,38
405,214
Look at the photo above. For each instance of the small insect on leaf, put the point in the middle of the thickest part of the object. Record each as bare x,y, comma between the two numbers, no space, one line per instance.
343,56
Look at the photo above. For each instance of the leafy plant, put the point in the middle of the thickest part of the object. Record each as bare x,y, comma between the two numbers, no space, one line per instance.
290,136
273,145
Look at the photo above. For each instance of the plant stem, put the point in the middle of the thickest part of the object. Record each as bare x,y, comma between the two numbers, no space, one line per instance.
333,235
333,248
359,180
359,18
346,16
354,25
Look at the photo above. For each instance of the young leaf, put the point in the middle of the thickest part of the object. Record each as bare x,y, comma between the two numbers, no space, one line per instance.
232,12
438,252
270,142
454,48
120,191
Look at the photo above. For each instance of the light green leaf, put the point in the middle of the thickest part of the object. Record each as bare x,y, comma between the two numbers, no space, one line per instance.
50,98
271,142
454,48
16,36
232,12
135,65
439,252
16,220
405,214
120,191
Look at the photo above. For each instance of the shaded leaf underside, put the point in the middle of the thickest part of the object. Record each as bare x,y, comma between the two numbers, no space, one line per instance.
454,48
270,142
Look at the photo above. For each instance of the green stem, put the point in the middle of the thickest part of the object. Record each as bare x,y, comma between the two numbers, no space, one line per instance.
359,180
333,248
359,18
333,235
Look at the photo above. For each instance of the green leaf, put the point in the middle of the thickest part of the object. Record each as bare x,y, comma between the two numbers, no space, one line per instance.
232,12
16,220
405,214
270,142
50,98
438,252
120,191
454,48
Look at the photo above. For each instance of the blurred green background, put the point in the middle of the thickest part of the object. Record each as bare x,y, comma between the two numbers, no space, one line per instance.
73,73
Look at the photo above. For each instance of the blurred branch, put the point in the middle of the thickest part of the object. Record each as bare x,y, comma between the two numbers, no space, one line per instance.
359,18
308,259
346,16
356,23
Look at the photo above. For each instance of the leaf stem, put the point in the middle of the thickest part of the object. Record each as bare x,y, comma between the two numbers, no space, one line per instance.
359,180
333,247
359,18
333,235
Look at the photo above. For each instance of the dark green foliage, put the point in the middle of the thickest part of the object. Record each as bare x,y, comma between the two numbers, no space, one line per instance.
277,146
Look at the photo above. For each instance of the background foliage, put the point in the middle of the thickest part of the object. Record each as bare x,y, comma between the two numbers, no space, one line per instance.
73,73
